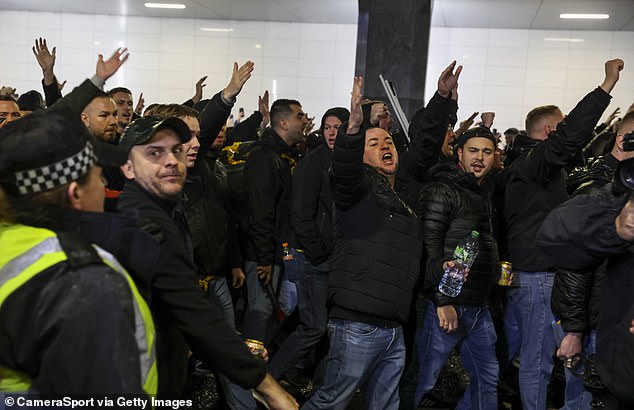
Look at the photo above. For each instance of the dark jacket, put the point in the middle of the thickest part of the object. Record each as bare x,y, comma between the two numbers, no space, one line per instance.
377,248
537,180
452,206
579,235
269,190
183,315
312,206
576,294
427,132
205,199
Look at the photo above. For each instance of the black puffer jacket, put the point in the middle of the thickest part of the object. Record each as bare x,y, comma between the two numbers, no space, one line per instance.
376,256
451,207
599,172
575,299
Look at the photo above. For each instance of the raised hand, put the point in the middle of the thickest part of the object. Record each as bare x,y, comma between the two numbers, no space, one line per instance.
107,68
8,91
263,107
139,105
199,90
356,114
464,125
612,72
45,58
378,111
487,119
448,79
309,125
238,78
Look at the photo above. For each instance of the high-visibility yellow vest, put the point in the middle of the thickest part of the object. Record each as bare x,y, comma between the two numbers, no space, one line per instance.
25,252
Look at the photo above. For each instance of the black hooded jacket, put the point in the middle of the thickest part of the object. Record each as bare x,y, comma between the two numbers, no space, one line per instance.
451,206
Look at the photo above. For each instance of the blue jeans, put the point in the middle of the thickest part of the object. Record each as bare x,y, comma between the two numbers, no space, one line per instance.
476,336
237,397
312,289
361,356
530,300
260,306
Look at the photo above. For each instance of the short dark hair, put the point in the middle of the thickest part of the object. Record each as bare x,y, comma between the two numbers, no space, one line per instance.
172,110
537,114
8,98
119,90
281,109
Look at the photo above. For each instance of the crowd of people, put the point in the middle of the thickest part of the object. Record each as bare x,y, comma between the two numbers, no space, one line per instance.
129,236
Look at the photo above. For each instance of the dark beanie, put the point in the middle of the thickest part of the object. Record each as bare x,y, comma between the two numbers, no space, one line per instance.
342,113
474,132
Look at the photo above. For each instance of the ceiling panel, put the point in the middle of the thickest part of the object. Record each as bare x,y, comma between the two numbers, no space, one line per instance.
520,14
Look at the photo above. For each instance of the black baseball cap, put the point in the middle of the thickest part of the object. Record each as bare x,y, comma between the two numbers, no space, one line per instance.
482,132
50,148
139,131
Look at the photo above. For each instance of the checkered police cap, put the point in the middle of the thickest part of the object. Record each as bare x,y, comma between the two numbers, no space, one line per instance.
48,149
41,179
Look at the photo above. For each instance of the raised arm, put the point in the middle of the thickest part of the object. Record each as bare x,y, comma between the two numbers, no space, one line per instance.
215,114
347,168
77,99
429,125
46,60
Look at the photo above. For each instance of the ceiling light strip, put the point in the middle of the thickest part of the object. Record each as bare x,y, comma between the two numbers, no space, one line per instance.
584,16
164,6
217,29
569,40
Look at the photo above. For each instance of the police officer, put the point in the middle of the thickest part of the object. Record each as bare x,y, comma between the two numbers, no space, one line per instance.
71,319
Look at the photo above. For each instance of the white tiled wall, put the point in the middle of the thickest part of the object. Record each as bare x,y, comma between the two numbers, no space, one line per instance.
310,62
512,71
506,71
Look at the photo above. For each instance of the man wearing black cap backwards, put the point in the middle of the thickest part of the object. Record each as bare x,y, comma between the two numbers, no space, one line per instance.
71,320
156,170
454,204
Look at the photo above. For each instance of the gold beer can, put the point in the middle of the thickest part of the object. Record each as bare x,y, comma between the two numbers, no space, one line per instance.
255,347
505,273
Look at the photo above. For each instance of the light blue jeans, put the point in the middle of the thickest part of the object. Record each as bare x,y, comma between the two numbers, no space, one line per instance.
361,356
530,301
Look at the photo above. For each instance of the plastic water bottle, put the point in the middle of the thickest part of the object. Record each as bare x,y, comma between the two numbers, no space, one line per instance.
464,255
